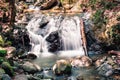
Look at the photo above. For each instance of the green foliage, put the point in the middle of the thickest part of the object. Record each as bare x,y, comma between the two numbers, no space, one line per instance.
1,41
114,34
99,19
1,60
4,42
102,4
1,72
107,4
3,53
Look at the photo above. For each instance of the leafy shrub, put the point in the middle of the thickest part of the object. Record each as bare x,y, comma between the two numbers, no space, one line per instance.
99,19
114,34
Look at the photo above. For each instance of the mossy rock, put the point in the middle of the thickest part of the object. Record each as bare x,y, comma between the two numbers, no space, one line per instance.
1,72
62,67
3,53
8,68
2,59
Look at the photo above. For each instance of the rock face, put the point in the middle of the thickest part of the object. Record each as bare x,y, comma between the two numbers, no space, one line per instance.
62,67
81,61
30,67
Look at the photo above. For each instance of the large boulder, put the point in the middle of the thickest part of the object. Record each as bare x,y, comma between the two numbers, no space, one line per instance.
62,67
30,67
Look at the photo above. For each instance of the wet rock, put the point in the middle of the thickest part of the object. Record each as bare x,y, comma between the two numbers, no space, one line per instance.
20,77
30,67
28,56
62,67
54,41
30,1
6,77
105,70
20,36
45,74
81,61
8,68
43,23
10,51
100,61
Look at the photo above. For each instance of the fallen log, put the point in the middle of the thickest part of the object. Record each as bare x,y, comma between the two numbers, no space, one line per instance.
50,4
82,30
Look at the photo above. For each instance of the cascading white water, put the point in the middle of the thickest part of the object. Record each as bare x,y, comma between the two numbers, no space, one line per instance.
69,33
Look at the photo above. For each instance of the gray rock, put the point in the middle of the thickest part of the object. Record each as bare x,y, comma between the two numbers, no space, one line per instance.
6,77
105,70
31,67
20,77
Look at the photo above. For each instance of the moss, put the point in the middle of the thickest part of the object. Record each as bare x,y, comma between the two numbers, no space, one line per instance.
1,72
99,19
8,68
114,34
1,41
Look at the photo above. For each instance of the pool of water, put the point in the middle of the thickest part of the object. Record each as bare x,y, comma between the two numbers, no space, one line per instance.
84,73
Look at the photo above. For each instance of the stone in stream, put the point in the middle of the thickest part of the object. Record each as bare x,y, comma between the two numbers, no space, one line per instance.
105,70
30,67
20,77
81,61
54,41
62,67
28,56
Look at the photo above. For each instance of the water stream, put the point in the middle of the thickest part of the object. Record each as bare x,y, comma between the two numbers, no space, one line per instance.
59,34
57,37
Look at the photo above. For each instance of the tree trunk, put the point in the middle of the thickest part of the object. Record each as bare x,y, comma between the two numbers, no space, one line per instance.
12,12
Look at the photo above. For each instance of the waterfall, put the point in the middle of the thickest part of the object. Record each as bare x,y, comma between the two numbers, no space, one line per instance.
60,34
